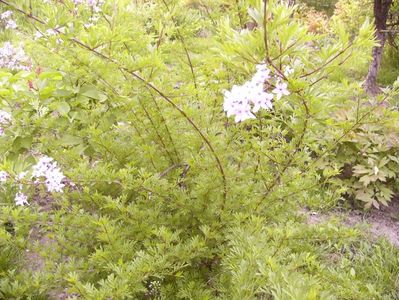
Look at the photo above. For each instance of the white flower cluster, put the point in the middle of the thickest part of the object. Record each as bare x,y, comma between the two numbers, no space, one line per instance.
13,58
45,168
244,100
21,199
7,21
5,119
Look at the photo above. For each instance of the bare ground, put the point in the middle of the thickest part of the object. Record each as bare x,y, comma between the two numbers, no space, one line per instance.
381,223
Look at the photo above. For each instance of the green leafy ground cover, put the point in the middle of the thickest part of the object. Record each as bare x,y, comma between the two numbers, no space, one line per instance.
164,196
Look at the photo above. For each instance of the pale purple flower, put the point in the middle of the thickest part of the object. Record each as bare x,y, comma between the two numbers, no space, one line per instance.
5,117
51,32
10,24
4,176
21,175
242,115
53,177
297,63
6,15
6,20
263,100
94,19
21,199
91,2
95,4
236,103
54,181
37,35
13,58
61,29
96,9
43,165
281,89
262,74
88,25
288,71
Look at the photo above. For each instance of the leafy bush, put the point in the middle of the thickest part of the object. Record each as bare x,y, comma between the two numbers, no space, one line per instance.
165,197
368,157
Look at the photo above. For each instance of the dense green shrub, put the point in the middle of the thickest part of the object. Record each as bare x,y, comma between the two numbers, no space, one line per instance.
165,197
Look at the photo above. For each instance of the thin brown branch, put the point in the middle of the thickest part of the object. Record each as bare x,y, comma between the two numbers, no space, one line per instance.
182,40
329,61
291,160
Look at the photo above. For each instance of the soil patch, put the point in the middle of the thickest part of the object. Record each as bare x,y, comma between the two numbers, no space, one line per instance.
382,223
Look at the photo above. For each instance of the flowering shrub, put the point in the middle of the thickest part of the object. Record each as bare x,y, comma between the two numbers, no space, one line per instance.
168,200
238,101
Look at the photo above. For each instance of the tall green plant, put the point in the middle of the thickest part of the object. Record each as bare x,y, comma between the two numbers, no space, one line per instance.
165,196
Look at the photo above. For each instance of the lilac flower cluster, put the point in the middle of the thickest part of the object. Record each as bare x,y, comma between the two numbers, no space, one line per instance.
47,168
5,119
7,21
245,100
13,58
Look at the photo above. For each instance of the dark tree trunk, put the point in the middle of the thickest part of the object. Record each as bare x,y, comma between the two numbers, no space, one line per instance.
381,10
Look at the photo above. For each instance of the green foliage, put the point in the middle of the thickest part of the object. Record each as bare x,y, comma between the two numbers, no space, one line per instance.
165,197
353,13
389,66
368,157
328,6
